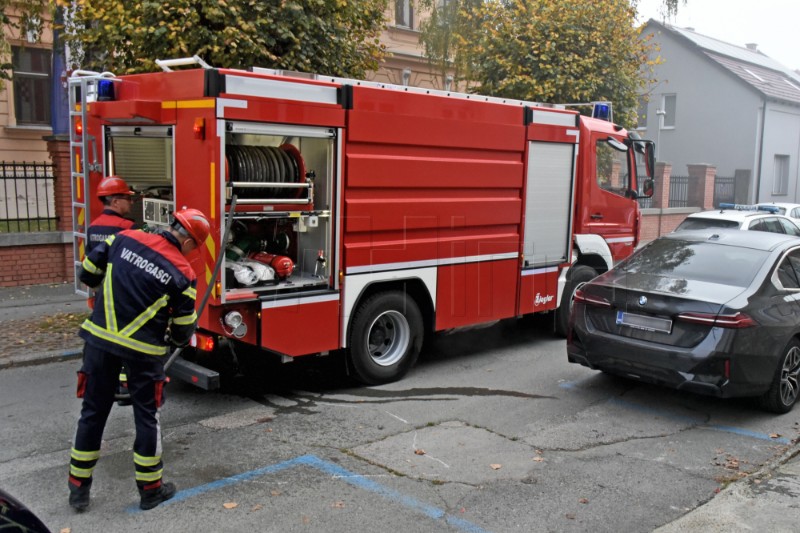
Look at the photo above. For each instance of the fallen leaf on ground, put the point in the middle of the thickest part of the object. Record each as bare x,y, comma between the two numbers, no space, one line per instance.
306,520
230,505
338,505
496,466
539,459
66,530
583,500
569,516
774,435
419,451
257,507
275,493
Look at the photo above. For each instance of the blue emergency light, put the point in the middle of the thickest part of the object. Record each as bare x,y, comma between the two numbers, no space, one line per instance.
745,207
602,110
105,90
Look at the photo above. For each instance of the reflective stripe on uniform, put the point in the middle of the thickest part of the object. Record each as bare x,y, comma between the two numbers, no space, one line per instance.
142,460
149,476
90,267
127,342
191,292
187,320
108,302
81,472
79,455
146,315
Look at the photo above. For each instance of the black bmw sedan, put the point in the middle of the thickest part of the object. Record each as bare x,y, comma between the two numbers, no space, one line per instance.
714,312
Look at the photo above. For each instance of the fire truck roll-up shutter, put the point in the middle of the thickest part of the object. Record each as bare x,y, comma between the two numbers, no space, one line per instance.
142,154
548,204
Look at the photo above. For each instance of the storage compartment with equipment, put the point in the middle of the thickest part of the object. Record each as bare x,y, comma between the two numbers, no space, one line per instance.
280,239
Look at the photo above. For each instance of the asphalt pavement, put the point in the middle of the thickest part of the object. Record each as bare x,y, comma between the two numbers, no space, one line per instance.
767,500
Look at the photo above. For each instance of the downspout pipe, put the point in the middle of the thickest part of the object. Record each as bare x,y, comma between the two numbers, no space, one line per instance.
760,154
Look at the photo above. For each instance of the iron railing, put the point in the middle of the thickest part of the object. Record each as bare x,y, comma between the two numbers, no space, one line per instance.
679,191
724,190
27,199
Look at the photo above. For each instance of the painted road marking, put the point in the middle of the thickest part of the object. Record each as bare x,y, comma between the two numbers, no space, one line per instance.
336,472
571,385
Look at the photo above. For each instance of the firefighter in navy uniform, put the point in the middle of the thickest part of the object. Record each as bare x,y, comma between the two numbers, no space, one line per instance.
145,303
117,200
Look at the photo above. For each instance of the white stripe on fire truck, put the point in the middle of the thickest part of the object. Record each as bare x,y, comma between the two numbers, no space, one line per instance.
299,92
553,118
620,239
431,263
536,271
272,304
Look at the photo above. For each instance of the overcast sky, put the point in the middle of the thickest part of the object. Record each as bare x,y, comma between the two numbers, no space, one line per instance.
774,25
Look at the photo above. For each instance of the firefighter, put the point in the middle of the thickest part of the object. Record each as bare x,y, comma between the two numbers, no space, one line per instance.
117,200
145,303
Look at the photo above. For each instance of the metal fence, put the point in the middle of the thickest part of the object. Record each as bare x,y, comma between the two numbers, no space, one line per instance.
724,190
679,191
27,201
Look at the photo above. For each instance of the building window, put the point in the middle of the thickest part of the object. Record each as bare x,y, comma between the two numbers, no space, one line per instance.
668,105
641,114
780,179
404,14
31,78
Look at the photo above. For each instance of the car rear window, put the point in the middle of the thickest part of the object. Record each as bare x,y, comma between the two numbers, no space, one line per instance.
700,261
706,223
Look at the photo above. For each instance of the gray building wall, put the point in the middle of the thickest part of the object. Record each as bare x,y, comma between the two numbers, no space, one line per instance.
717,115
781,137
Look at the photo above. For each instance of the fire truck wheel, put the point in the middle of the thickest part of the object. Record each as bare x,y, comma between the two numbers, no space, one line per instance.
578,277
385,337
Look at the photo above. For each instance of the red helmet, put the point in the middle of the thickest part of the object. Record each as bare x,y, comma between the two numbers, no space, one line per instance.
195,223
113,185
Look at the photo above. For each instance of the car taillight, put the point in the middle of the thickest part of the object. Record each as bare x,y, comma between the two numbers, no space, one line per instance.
590,299
737,321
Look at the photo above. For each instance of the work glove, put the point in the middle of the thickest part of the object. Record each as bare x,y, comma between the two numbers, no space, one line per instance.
172,343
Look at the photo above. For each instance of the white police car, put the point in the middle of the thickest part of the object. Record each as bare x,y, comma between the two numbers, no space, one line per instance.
790,210
745,217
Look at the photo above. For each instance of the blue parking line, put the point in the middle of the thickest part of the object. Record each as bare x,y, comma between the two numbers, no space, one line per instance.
333,469
699,423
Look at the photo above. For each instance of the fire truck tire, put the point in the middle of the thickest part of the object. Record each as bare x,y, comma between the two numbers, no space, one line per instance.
385,337
578,277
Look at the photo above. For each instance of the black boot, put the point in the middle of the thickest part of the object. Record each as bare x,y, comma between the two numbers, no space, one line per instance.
79,493
155,494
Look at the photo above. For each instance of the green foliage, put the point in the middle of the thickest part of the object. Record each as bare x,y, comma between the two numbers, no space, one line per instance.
553,51
336,37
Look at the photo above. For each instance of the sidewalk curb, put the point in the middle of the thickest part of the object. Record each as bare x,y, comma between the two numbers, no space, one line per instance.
41,359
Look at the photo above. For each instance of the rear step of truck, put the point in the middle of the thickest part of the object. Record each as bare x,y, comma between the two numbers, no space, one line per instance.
194,374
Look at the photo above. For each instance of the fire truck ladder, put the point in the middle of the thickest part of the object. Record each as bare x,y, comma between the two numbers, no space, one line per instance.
83,87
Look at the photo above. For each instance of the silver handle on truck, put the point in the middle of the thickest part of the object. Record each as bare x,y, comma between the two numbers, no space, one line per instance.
165,64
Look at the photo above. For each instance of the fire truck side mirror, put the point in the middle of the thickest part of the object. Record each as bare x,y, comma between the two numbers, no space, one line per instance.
648,188
650,158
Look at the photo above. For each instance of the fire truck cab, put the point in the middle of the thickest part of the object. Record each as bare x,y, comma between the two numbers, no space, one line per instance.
357,216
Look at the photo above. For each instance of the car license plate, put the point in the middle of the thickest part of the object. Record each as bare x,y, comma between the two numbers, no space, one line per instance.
647,323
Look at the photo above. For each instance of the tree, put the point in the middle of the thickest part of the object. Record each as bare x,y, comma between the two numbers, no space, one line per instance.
553,51
336,37
22,16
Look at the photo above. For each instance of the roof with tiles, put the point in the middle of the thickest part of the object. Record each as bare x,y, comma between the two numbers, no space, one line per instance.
761,72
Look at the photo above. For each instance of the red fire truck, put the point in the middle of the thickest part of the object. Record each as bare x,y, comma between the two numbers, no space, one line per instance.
357,216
